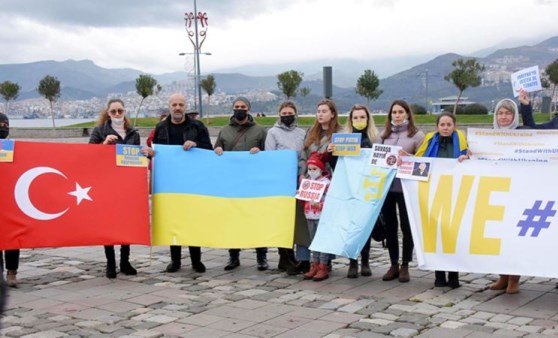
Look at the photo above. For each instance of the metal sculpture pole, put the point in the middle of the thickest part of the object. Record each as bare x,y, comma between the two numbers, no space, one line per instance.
197,36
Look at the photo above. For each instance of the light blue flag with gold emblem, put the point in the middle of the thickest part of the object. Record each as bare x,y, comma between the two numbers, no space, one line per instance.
352,205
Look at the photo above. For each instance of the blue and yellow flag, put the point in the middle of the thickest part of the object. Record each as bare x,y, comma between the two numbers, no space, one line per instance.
352,205
236,200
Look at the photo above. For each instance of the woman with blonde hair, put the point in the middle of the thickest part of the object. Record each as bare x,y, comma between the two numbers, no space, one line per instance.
114,127
360,121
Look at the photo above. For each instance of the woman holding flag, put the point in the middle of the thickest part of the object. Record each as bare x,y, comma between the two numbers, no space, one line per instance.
317,140
399,130
360,121
445,142
114,127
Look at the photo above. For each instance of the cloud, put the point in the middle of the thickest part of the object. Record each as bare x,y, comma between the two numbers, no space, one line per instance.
136,13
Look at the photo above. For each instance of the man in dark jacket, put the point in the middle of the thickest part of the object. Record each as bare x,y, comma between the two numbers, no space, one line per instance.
242,134
179,129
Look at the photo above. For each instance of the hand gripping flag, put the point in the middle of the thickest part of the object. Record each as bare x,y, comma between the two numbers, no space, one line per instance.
352,205
56,195
236,200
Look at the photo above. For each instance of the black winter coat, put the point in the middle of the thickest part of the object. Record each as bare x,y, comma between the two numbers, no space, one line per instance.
100,133
193,131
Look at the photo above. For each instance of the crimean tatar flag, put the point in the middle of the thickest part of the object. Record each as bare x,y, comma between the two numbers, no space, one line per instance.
56,195
236,200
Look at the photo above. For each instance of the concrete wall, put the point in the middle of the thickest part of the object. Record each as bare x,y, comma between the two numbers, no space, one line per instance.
41,133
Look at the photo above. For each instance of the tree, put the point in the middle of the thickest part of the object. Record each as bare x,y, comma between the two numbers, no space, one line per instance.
552,73
146,86
208,84
368,86
49,87
304,92
288,82
466,73
417,109
9,91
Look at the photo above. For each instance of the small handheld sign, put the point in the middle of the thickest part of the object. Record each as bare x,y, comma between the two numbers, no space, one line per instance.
130,156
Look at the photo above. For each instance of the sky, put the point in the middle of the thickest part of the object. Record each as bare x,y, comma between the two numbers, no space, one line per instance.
148,35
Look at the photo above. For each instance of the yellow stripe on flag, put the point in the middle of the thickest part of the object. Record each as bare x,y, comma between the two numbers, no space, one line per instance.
186,219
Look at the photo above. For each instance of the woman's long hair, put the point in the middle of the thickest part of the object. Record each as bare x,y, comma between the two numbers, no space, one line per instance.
411,130
104,115
371,130
314,135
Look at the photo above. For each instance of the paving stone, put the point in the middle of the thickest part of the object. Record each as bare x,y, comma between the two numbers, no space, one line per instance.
403,333
450,324
508,333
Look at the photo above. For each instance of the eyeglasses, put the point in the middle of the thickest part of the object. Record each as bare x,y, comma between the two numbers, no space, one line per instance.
120,111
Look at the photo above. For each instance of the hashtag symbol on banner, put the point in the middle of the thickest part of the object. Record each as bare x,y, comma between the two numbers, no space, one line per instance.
536,218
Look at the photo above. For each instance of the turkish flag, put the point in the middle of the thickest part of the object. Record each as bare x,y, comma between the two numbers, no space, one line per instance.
56,194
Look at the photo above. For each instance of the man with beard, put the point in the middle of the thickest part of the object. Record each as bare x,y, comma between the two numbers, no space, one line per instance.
179,129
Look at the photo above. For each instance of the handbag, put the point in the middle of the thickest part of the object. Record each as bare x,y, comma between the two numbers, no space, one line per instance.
379,231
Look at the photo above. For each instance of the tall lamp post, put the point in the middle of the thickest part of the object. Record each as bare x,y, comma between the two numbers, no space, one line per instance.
197,36
197,89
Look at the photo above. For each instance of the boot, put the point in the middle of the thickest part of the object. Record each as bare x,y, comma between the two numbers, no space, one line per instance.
300,267
11,279
501,283
404,273
440,280
125,266
353,269
312,272
322,274
111,262
195,258
365,266
513,285
286,259
392,273
453,280
176,258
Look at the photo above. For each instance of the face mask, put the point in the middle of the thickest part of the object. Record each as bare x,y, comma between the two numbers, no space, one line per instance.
240,114
314,174
4,132
360,125
117,120
287,120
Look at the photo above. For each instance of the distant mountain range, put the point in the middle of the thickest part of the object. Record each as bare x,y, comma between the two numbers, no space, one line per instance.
421,83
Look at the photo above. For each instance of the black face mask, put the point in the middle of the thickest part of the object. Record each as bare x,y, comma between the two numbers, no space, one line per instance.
4,132
240,114
287,120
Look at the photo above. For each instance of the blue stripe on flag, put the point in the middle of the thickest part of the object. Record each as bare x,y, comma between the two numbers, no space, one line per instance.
233,174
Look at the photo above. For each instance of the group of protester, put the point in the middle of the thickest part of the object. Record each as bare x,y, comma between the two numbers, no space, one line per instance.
316,162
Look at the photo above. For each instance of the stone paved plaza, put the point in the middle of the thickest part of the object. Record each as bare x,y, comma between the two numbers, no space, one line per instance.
63,293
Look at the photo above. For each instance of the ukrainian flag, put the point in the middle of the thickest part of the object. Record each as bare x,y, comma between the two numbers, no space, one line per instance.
236,200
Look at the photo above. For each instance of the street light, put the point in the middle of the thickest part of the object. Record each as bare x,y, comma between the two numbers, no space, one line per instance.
197,36
197,81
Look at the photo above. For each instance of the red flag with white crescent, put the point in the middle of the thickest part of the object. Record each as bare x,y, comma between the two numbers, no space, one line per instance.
55,195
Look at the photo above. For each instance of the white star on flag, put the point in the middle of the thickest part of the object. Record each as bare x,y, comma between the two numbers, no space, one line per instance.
81,193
